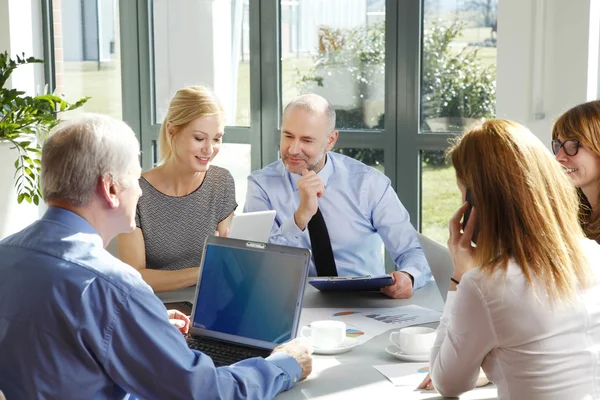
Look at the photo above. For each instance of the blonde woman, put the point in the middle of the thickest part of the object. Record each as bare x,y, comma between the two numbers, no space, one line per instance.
576,145
524,303
185,198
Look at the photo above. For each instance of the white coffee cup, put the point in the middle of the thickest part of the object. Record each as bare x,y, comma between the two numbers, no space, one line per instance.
326,334
414,339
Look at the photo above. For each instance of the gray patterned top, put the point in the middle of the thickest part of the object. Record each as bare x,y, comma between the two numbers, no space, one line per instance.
175,228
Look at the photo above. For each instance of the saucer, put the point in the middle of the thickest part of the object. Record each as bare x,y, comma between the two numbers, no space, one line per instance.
395,351
349,344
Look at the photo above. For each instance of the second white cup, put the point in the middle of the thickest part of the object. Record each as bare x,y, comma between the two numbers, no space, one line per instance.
414,339
326,334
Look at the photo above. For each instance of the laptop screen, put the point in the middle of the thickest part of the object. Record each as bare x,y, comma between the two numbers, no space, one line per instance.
250,295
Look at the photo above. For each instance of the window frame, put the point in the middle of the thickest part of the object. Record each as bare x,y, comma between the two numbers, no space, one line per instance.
400,140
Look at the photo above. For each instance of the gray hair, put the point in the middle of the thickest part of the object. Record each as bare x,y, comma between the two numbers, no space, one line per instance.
81,151
314,103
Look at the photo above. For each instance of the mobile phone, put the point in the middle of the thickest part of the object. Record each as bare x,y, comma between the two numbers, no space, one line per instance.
468,214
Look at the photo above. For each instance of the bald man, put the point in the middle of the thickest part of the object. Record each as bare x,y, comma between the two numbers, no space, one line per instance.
339,207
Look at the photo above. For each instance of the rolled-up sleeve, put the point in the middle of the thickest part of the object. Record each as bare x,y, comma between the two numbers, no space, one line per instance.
149,358
465,336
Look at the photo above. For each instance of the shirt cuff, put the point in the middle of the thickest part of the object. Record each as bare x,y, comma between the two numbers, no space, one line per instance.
291,232
416,274
288,365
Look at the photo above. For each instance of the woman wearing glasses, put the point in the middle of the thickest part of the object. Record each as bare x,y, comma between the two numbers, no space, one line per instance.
576,145
524,304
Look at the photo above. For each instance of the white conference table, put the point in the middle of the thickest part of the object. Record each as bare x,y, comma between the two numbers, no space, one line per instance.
351,375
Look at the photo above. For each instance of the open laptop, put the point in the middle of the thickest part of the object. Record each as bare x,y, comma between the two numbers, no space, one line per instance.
248,298
255,226
440,262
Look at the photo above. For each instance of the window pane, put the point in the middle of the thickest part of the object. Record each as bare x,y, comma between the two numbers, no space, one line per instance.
458,77
371,157
202,42
440,196
236,158
87,54
336,49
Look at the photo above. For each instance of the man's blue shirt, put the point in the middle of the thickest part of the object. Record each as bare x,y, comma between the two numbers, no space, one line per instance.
360,209
76,323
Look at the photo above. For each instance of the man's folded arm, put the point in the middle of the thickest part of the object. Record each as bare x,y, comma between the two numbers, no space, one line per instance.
288,232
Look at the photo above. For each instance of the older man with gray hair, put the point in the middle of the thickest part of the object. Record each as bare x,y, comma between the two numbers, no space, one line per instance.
77,323
335,205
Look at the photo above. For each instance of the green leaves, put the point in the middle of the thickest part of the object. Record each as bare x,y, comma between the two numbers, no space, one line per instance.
455,84
8,65
27,172
25,122
356,50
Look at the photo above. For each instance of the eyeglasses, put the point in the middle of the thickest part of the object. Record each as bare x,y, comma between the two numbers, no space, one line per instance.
571,147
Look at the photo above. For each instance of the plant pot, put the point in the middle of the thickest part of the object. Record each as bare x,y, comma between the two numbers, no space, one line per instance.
451,124
374,74
13,216
339,86
373,88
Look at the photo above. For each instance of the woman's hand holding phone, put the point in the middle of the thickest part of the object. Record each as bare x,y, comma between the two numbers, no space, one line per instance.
459,244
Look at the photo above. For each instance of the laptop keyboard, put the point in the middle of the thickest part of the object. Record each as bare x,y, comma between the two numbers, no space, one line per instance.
222,353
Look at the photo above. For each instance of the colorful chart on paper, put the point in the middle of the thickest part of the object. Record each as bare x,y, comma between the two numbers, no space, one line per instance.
343,313
365,323
393,318
354,333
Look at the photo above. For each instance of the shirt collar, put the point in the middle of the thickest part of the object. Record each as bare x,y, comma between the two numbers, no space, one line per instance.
70,219
324,173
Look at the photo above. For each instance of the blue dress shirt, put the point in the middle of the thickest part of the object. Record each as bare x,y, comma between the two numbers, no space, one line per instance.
77,323
360,209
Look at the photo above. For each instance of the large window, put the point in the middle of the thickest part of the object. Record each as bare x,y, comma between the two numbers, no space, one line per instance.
202,42
86,47
236,158
441,198
458,88
458,71
336,49
405,77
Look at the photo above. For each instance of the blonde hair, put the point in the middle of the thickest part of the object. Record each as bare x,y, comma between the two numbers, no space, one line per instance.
187,105
582,123
526,207
80,151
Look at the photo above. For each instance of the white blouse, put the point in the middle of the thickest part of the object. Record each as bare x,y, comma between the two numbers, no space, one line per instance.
529,350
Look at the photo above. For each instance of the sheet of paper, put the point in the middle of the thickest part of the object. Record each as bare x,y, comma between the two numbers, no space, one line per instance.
366,323
404,374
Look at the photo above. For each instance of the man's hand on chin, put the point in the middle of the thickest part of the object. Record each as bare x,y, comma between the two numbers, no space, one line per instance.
402,287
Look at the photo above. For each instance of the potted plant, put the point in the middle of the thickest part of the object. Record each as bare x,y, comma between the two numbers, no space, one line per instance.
24,123
333,73
349,70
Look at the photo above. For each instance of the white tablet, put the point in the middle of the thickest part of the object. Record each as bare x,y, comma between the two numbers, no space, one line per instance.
254,226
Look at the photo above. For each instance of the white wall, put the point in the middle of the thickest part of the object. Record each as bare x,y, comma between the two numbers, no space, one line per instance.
547,59
20,31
